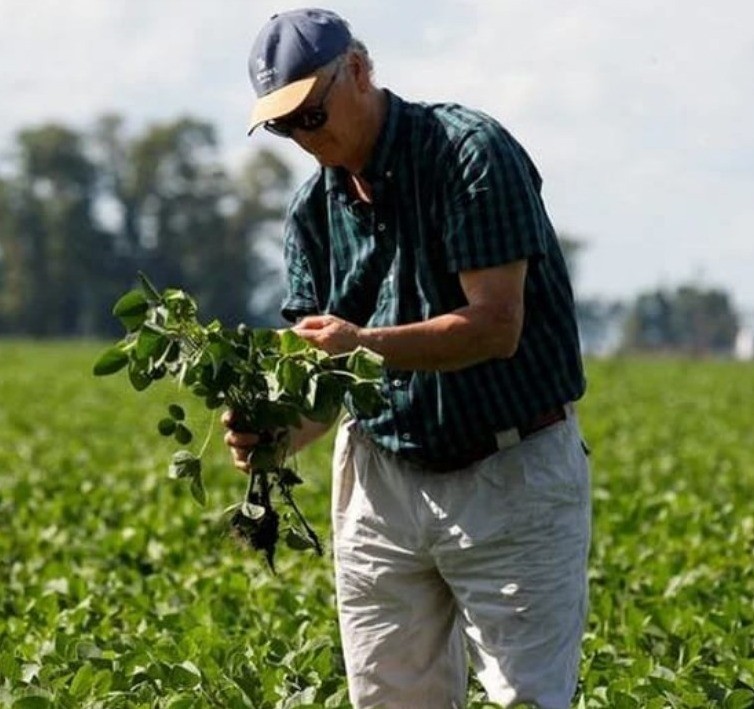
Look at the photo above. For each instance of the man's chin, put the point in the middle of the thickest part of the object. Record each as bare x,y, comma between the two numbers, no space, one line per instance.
325,161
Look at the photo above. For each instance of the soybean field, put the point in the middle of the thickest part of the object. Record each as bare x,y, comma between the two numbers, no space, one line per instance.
118,590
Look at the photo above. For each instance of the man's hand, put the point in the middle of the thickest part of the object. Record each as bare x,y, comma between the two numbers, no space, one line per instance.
240,444
328,332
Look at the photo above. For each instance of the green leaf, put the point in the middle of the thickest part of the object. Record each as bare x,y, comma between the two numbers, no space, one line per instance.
9,667
324,397
176,412
183,435
82,682
303,699
151,292
296,540
213,401
366,399
291,376
132,310
739,699
103,680
290,343
180,303
269,415
184,676
266,339
151,342
197,489
184,464
110,361
132,303
365,364
166,427
32,702
138,377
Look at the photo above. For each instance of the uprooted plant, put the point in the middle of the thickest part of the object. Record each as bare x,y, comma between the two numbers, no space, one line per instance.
270,379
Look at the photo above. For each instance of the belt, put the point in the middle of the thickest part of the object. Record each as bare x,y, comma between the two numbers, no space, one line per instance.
499,441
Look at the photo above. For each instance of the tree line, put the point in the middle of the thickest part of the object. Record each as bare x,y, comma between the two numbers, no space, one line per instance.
81,212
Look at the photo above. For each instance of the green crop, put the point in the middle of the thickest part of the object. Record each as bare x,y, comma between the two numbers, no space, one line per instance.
117,592
270,379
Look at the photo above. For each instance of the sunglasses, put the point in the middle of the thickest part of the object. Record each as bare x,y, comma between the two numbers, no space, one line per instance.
309,119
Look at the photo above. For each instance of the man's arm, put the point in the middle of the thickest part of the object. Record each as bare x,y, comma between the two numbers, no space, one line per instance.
488,327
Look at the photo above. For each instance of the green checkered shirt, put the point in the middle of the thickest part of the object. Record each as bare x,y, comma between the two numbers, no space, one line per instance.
452,190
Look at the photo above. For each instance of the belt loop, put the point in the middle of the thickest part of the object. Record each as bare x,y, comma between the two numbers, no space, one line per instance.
507,438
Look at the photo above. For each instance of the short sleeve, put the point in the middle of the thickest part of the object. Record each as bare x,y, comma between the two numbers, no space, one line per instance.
493,210
300,295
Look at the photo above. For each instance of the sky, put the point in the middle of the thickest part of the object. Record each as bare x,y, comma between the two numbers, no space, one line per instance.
639,115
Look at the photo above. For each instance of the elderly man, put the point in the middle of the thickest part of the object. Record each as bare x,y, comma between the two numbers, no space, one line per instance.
461,513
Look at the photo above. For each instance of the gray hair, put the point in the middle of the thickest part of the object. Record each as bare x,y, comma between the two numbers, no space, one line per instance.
358,47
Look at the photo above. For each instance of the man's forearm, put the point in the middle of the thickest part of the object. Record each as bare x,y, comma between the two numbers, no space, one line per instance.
309,432
488,327
451,341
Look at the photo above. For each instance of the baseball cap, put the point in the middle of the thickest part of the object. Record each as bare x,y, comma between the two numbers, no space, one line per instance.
288,50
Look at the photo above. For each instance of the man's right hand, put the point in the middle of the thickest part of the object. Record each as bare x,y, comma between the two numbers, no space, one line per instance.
240,444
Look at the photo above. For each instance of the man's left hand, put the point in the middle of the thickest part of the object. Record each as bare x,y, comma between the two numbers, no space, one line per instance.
329,333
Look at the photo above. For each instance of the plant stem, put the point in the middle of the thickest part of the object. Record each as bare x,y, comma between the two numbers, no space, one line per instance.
312,534
209,433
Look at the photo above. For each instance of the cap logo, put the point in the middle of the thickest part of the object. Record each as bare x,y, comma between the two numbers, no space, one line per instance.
265,74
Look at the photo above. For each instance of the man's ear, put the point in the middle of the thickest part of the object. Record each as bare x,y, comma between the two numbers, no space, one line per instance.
359,71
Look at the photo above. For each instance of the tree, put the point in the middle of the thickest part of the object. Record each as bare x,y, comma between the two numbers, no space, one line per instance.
184,220
689,319
262,191
81,213
51,247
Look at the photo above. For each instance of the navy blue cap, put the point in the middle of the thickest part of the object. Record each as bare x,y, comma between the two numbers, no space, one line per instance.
288,50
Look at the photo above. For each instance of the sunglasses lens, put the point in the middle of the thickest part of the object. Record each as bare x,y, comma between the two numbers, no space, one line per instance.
280,127
308,120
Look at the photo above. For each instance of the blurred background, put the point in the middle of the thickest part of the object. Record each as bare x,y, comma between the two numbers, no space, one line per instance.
123,147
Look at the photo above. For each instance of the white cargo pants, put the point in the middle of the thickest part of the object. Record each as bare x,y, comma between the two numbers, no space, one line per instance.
490,560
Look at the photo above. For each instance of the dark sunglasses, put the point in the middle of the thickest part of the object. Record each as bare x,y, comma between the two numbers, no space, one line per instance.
308,119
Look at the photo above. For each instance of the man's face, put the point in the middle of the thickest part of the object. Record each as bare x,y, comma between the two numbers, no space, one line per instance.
339,97
337,141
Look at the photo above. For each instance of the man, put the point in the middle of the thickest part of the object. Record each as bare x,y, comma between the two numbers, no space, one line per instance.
461,512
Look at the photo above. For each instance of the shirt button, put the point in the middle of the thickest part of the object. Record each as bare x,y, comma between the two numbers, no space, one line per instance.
381,226
397,383
389,174
406,436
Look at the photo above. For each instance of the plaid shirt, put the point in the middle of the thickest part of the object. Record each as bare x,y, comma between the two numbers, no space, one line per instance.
452,190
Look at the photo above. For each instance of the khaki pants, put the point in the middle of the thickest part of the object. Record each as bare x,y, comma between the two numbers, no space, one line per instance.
489,561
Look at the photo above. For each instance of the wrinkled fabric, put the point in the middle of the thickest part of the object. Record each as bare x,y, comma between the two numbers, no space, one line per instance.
487,563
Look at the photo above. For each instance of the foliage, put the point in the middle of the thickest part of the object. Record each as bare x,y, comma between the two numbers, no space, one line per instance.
82,211
116,593
689,319
270,380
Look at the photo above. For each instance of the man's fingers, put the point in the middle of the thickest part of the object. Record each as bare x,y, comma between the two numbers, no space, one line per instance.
234,439
241,464
310,322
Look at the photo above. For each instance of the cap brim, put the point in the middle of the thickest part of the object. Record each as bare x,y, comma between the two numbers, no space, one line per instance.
281,102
